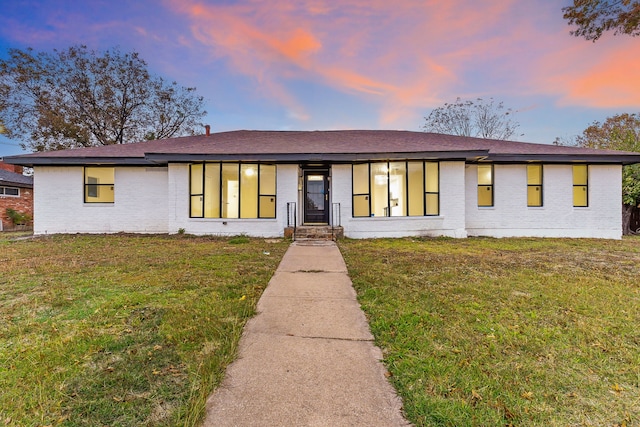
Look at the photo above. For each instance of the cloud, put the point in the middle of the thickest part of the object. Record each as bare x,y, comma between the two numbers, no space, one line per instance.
598,75
400,55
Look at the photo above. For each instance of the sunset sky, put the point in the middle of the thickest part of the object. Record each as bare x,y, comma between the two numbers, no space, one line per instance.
351,64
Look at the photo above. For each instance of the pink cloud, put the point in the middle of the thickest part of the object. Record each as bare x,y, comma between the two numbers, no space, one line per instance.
355,46
409,55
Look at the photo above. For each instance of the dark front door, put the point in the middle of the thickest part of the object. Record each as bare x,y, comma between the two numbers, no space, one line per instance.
316,197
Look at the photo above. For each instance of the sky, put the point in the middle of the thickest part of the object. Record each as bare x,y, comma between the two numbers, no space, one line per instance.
351,64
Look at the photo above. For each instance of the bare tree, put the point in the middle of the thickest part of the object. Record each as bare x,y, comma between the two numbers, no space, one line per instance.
79,98
479,118
594,17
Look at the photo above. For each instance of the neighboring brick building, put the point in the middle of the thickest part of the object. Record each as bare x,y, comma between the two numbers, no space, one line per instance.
16,192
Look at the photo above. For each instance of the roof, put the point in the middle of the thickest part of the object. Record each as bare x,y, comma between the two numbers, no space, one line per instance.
320,146
13,179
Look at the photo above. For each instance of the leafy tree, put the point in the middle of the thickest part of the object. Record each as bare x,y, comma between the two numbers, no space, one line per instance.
594,17
619,132
80,98
479,118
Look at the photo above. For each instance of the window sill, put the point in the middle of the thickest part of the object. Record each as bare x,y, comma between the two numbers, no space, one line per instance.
395,218
231,219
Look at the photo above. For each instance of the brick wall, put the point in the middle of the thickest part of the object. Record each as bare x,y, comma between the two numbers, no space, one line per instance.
511,217
11,168
23,204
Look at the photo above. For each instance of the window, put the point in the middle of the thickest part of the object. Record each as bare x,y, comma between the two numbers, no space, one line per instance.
99,185
580,186
9,191
485,185
232,190
534,185
395,189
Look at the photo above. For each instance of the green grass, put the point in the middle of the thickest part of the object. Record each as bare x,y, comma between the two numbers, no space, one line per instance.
122,330
488,332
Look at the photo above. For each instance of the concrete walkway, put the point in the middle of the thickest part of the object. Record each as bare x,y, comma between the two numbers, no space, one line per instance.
307,358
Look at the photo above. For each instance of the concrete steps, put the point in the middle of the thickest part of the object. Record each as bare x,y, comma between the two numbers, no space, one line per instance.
314,232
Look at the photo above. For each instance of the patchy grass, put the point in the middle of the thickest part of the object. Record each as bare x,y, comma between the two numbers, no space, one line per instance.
122,330
527,332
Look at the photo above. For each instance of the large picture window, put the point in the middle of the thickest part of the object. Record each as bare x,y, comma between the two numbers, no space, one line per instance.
384,189
232,190
99,184
580,186
534,185
485,185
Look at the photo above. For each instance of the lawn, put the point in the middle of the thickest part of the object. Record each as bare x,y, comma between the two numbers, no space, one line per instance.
489,332
122,330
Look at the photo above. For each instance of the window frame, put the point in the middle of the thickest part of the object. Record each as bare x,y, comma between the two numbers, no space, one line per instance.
259,195
491,186
406,210
585,185
540,186
87,187
4,188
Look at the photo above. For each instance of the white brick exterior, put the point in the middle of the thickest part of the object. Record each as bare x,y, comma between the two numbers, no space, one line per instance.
510,215
140,204
156,200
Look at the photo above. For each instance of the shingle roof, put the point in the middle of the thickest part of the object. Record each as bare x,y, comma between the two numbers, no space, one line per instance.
338,145
15,179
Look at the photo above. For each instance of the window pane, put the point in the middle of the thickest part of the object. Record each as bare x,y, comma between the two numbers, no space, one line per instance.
267,179
431,177
379,189
534,195
95,175
196,206
580,196
361,179
249,191
267,206
99,193
580,175
361,205
433,204
230,190
534,174
485,175
212,190
397,187
196,178
10,191
416,189
485,195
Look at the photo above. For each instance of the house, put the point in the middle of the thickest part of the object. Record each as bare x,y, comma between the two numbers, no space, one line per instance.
371,183
16,192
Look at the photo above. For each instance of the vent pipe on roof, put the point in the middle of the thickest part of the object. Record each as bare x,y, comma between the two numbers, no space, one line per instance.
208,129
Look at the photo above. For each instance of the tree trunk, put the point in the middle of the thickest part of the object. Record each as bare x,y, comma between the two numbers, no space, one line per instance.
627,210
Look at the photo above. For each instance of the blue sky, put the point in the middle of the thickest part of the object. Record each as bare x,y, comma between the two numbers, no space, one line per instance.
353,64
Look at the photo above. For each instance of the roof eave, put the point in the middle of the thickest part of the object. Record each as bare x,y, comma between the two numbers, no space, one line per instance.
316,157
625,159
77,161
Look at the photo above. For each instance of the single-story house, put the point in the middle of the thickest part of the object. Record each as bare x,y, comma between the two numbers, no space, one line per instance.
372,183
16,192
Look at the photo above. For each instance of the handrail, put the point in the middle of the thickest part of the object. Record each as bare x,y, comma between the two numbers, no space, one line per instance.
292,217
335,219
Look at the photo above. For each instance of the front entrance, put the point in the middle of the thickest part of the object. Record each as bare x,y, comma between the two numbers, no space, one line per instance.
316,196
